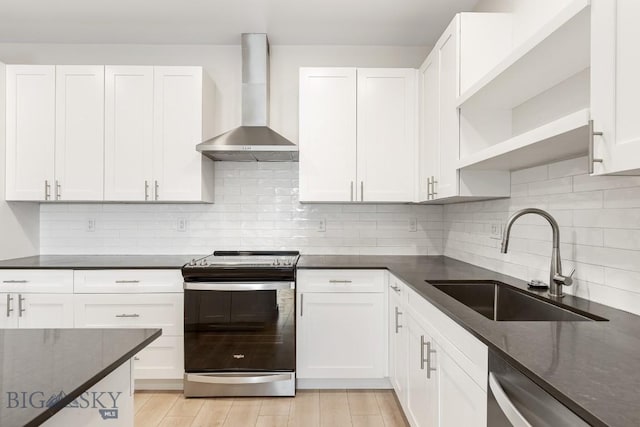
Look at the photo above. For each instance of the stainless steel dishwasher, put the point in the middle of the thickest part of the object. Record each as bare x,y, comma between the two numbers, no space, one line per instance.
515,400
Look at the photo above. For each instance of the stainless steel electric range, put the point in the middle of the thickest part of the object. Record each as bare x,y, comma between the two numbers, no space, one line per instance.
239,324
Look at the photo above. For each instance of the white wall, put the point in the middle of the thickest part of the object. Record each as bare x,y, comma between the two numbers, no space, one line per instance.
223,64
19,222
599,221
256,207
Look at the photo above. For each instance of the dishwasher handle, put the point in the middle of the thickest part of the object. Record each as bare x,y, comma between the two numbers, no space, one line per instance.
508,408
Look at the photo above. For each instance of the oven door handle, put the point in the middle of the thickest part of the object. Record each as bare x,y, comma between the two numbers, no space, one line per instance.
232,379
238,286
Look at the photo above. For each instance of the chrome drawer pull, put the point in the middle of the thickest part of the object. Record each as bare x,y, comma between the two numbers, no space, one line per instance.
127,281
15,281
128,315
9,309
396,288
136,358
340,281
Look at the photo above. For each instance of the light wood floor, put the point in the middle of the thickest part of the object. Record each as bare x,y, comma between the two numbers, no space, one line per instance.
330,408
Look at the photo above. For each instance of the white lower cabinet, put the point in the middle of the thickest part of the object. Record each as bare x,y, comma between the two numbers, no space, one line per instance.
131,299
438,370
36,311
341,331
422,377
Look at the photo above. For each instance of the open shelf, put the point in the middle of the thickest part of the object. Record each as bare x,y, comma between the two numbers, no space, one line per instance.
563,138
557,51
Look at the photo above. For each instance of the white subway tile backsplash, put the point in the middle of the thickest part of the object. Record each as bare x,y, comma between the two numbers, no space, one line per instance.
599,219
256,208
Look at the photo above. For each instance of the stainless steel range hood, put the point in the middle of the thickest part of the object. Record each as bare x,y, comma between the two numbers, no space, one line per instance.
254,140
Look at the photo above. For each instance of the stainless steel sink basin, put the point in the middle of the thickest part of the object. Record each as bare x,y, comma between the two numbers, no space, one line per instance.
501,302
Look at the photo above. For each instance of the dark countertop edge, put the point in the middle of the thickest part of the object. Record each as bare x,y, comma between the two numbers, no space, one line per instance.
567,401
104,267
62,403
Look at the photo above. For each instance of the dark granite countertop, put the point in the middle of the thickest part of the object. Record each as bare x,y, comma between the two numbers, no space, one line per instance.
98,262
54,360
592,367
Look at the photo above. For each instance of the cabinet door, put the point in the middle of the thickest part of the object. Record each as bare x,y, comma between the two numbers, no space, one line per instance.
177,129
398,347
462,401
30,131
429,120
387,137
79,158
341,335
447,50
422,383
327,134
615,87
128,133
162,359
45,310
8,311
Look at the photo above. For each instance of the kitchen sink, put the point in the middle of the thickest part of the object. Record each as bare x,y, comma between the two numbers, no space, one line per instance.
500,302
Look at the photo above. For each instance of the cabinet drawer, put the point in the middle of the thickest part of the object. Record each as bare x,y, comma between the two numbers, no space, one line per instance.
130,311
162,359
127,281
465,349
341,280
37,281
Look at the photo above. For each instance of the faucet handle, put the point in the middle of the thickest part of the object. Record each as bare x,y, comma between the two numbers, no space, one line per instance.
565,280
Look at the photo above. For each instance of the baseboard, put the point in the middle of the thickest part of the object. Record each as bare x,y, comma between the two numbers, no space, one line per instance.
154,385
343,383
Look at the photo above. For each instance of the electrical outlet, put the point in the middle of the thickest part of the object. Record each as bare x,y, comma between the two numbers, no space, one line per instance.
182,224
495,230
413,225
91,225
322,225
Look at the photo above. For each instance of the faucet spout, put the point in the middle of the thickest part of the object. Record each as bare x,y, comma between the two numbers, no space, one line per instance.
556,279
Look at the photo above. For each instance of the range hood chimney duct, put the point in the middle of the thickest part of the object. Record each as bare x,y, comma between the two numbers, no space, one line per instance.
254,140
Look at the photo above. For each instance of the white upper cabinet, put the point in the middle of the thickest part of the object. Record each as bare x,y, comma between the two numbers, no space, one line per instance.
79,142
358,135
183,105
327,134
128,133
30,132
429,125
446,184
615,87
440,179
387,134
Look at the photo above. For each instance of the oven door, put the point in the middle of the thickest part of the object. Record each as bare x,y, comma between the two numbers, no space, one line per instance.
239,327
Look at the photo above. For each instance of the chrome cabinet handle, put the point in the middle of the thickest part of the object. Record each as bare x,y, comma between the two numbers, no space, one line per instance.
9,309
15,281
127,281
146,189
301,304
47,190
136,358
352,191
128,315
58,190
396,288
592,135
339,281
429,188
20,309
156,189
398,325
362,191
510,411
434,193
429,352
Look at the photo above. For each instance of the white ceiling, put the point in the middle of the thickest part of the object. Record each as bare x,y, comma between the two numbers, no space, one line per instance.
345,22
